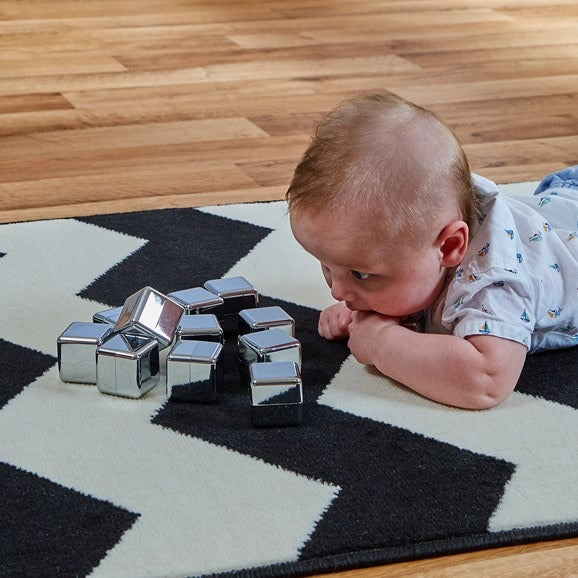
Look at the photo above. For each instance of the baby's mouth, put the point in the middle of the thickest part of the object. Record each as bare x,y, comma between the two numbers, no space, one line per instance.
356,306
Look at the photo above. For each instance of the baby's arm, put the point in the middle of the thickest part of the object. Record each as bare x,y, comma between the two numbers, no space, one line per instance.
477,372
334,321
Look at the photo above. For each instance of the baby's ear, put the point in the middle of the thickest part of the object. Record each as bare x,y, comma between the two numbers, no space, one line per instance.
453,243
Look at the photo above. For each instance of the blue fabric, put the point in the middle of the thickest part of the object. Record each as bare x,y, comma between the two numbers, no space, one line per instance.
564,178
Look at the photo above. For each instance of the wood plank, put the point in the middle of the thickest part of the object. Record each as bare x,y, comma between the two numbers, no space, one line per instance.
46,66
25,103
529,152
165,201
519,55
51,163
134,135
217,73
129,184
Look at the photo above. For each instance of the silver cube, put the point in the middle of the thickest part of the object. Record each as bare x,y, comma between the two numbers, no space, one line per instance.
262,346
107,316
127,365
237,294
149,312
276,394
193,371
198,300
77,346
260,318
203,327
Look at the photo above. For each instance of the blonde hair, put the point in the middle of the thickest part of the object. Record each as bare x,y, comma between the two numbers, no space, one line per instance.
388,158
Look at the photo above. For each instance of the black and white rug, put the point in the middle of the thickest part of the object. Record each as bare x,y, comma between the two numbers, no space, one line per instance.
97,485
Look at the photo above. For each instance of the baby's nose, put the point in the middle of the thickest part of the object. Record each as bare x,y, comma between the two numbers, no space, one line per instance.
340,291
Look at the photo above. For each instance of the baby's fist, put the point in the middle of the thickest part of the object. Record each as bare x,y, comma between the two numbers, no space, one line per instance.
334,321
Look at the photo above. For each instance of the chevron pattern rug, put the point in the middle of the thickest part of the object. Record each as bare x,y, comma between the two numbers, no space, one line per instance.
98,485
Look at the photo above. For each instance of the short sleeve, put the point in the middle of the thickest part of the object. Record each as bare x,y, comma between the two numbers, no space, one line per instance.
497,302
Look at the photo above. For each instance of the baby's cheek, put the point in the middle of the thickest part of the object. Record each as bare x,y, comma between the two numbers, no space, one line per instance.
326,274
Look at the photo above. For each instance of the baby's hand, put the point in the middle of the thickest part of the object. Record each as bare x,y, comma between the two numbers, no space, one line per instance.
364,332
334,321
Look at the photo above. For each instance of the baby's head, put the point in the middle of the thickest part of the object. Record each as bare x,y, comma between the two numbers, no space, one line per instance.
386,176
395,161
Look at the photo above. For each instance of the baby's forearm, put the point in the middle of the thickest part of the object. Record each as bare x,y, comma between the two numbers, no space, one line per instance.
448,369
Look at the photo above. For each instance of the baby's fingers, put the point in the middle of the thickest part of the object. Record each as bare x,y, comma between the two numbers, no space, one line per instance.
333,326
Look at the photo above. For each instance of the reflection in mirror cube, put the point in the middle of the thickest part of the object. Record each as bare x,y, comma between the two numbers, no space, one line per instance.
260,318
127,365
237,294
271,345
193,371
203,327
149,312
107,316
276,393
198,300
77,346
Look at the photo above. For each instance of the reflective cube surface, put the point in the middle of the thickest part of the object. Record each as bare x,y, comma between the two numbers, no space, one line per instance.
276,394
198,300
77,346
149,312
193,371
260,318
107,316
271,345
236,292
203,327
127,365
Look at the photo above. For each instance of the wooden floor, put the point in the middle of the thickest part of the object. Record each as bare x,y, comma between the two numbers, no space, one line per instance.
121,105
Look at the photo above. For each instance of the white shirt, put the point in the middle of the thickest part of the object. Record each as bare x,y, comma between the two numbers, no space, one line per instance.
519,277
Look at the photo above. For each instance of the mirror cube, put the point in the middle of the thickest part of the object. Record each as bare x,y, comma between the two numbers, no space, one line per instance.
260,318
203,327
107,316
149,312
276,394
193,371
127,365
262,346
198,300
237,294
77,346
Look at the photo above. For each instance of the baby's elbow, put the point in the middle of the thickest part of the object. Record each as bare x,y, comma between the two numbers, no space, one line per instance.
491,393
498,366
487,401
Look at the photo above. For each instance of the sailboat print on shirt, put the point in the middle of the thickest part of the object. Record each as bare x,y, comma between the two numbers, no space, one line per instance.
485,328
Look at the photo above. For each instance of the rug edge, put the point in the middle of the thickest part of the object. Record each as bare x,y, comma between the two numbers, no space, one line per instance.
409,552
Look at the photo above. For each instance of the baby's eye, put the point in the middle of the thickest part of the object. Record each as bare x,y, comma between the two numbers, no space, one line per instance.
360,276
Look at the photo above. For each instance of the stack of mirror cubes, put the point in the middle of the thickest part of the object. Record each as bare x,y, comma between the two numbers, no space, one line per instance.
122,349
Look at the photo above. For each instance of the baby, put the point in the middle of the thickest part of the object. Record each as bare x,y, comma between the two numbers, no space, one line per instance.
406,235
